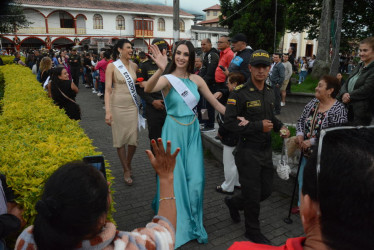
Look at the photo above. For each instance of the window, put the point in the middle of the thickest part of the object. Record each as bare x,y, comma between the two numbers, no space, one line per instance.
215,13
97,21
208,13
161,24
66,21
120,23
181,26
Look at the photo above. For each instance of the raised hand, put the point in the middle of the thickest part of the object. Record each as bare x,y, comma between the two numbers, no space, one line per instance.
160,58
162,162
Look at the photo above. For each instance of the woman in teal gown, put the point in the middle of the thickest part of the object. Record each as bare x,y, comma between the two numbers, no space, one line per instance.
182,128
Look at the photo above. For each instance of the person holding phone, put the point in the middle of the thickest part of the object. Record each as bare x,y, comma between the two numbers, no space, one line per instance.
72,214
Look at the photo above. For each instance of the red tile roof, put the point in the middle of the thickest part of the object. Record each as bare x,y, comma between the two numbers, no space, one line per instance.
105,5
215,20
214,7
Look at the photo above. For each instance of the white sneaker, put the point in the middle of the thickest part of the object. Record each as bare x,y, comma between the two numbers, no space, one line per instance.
94,92
299,82
99,94
283,104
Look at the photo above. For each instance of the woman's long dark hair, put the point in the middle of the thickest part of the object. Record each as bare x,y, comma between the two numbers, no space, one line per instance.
191,58
119,44
56,72
74,198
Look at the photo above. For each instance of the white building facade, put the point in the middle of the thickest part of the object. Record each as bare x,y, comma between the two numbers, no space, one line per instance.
64,23
299,41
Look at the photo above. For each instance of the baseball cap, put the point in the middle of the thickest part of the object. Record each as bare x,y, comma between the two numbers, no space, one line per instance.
240,37
161,43
260,57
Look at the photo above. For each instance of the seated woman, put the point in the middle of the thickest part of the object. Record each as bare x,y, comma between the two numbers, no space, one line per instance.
323,111
337,198
73,210
63,92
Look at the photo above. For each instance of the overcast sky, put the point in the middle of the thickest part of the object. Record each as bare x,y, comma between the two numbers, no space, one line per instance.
196,6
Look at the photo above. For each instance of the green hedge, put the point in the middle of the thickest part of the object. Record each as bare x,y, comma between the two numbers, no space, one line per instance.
36,137
9,59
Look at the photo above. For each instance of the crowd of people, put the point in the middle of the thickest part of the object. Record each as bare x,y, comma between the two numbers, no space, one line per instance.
246,88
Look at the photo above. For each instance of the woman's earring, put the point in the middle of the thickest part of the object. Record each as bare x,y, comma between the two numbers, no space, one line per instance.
120,54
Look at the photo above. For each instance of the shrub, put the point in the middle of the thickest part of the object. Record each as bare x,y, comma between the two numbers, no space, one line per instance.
9,59
36,137
2,85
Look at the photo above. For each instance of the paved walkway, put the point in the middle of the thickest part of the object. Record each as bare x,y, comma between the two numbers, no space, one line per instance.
133,204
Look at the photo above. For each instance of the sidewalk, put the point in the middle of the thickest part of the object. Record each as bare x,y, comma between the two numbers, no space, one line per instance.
133,204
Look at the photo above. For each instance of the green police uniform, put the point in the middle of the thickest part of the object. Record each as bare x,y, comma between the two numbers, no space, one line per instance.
253,156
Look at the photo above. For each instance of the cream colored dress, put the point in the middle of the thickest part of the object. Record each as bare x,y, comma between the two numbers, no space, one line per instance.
124,111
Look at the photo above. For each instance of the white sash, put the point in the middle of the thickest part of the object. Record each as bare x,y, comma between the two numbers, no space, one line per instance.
131,85
184,92
46,83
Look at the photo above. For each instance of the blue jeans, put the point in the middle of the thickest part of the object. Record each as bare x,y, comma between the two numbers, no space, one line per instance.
302,75
300,176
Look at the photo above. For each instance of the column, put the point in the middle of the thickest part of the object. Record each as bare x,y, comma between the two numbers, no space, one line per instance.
75,25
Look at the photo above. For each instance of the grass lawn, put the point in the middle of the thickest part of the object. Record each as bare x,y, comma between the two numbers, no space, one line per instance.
307,86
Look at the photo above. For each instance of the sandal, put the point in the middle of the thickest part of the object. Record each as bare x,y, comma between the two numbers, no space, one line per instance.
220,190
128,180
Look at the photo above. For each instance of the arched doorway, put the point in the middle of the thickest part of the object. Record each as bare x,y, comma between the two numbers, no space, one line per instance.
7,44
33,43
62,43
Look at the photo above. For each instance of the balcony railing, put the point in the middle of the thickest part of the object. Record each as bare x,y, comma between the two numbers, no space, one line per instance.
32,30
81,31
61,30
143,33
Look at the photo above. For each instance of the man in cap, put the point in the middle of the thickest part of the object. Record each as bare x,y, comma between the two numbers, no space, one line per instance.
241,59
155,108
254,101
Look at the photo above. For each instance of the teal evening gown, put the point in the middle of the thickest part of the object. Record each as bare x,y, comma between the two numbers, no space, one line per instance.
189,169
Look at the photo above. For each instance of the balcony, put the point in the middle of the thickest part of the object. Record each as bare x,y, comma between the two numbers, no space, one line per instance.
64,31
143,33
32,30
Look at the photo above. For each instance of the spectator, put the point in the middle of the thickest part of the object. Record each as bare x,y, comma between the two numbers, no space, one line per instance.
241,60
17,59
337,197
37,58
198,65
287,77
207,72
11,220
303,70
311,63
45,70
54,60
63,92
72,214
228,139
358,92
225,57
75,66
322,112
63,60
101,67
88,72
340,78
95,74
276,77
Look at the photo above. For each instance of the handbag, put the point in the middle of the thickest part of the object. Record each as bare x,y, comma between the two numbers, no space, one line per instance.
283,169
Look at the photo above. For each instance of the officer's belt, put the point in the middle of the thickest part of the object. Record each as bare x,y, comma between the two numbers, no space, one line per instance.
247,143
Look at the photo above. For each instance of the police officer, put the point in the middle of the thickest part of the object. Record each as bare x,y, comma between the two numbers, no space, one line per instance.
75,66
254,101
155,108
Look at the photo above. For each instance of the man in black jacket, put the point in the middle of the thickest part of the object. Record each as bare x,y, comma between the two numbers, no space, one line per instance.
75,66
253,101
207,72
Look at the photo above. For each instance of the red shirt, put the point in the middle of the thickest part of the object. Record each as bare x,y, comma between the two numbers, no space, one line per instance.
291,244
225,58
101,66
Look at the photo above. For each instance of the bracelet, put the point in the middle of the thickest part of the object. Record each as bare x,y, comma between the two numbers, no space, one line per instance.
166,198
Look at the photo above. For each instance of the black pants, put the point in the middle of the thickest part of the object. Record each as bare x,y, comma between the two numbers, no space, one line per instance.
155,121
255,167
211,111
75,72
277,101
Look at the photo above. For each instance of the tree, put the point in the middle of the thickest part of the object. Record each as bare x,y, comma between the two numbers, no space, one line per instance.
256,20
11,17
357,23
338,12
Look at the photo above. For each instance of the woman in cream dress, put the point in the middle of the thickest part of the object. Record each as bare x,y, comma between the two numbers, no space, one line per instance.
121,111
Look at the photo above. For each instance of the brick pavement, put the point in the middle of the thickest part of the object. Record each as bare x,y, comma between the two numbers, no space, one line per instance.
133,204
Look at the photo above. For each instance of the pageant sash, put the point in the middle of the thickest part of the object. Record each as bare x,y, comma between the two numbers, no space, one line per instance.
131,85
184,92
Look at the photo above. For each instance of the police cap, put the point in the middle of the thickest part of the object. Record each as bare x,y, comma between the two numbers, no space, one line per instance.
161,43
260,57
